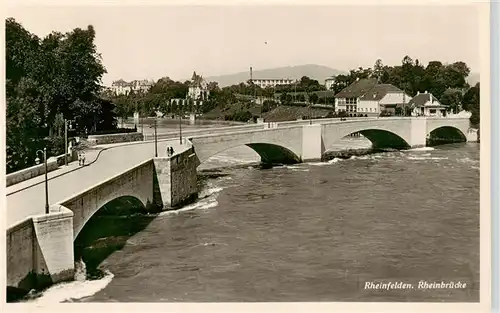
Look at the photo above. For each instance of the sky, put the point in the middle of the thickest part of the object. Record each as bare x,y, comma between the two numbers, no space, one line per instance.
149,42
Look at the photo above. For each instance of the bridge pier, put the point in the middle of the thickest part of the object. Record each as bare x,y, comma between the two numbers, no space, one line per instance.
418,133
40,251
175,180
313,146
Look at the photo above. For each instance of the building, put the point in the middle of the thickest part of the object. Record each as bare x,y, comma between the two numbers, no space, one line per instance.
367,97
425,104
329,81
141,85
198,88
121,87
272,82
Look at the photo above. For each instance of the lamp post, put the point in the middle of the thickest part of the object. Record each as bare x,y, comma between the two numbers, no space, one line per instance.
141,121
65,142
156,138
67,124
37,161
180,123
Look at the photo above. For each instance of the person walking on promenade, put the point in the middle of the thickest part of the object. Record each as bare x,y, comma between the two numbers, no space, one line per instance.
79,159
171,151
83,159
168,151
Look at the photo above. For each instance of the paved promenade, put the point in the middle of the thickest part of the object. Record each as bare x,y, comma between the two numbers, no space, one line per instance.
28,198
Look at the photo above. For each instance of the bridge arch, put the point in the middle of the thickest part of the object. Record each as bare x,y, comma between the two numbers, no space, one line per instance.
394,134
136,182
108,207
108,230
270,153
445,134
275,145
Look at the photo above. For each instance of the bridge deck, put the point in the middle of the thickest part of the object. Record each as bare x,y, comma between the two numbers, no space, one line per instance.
31,201
22,203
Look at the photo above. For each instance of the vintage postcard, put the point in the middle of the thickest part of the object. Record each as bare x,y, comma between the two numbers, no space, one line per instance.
308,156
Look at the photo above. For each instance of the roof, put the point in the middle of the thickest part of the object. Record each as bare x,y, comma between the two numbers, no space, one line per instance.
357,89
422,98
119,82
320,94
379,91
286,79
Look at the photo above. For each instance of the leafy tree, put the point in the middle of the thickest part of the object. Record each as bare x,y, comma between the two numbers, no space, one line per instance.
378,69
385,113
471,98
268,105
46,79
398,111
313,98
452,98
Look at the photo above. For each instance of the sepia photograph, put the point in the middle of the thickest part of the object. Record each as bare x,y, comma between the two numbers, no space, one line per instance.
245,153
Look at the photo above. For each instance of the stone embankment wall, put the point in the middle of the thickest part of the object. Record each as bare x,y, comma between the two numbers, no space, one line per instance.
115,138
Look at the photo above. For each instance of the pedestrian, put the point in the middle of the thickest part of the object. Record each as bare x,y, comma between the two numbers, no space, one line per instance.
171,151
83,159
79,159
168,151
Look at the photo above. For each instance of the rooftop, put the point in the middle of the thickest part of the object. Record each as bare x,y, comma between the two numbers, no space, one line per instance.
422,98
379,91
357,89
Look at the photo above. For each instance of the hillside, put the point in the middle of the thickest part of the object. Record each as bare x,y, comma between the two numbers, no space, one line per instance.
318,72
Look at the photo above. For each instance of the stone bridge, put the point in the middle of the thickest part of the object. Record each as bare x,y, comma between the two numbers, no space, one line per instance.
40,246
303,141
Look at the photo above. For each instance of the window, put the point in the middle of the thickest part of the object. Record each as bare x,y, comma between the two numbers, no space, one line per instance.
432,111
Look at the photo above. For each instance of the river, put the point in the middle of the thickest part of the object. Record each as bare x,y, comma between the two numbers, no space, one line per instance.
306,232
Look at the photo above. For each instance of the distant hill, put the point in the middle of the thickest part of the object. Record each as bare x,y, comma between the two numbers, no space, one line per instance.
318,72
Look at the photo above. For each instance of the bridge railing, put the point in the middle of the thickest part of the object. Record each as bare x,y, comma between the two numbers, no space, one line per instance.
208,130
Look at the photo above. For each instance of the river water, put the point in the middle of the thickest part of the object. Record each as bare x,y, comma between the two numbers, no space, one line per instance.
307,232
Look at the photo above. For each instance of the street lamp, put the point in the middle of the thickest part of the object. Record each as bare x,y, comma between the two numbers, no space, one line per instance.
156,138
37,161
66,139
180,122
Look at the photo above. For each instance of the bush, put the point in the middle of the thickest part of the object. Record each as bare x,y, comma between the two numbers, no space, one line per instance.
242,116
268,105
385,113
55,145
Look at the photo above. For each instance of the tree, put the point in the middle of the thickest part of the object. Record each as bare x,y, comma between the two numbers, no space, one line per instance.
452,98
378,69
47,78
313,98
471,98
398,111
